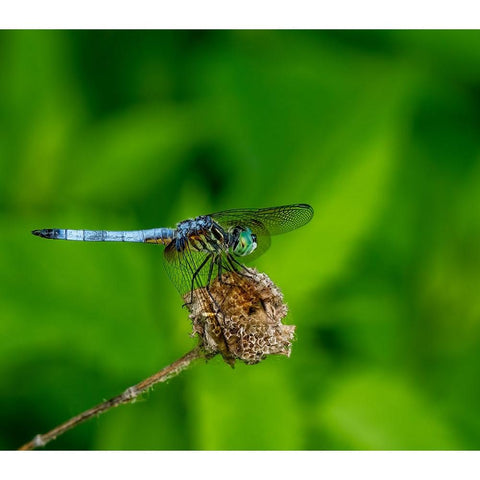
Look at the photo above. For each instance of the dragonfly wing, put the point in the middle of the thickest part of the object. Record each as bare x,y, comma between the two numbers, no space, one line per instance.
273,220
192,270
188,268
265,222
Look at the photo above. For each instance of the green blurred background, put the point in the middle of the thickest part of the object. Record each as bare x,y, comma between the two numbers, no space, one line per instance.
379,131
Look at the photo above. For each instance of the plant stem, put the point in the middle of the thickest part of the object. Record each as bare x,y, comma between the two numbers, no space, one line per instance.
129,395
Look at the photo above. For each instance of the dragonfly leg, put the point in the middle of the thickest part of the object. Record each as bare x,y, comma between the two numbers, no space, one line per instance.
218,262
232,261
219,313
194,277
221,267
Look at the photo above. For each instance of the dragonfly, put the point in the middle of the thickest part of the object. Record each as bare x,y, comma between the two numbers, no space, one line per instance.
199,250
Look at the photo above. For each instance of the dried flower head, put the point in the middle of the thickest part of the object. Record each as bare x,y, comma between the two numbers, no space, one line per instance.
240,317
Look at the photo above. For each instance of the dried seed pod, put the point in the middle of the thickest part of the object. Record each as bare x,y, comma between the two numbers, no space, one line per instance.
240,317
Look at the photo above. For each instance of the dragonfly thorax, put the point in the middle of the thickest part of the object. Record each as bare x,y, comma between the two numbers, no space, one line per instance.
201,234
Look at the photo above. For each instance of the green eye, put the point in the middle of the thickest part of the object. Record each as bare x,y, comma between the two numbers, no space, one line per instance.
245,244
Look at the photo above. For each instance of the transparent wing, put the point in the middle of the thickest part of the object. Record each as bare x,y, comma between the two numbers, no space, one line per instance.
266,221
189,268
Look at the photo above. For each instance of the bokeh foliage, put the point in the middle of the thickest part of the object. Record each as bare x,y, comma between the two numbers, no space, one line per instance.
379,131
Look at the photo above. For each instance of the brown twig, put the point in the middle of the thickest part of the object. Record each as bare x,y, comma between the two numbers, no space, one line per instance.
129,395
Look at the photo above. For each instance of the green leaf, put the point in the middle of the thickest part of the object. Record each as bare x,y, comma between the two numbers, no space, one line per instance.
250,407
379,411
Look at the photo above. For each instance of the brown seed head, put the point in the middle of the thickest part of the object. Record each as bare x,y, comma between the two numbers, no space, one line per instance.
240,317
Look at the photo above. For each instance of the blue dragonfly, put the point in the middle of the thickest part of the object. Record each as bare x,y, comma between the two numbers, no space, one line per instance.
201,249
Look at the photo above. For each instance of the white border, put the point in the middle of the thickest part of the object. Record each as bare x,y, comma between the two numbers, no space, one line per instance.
187,14
241,465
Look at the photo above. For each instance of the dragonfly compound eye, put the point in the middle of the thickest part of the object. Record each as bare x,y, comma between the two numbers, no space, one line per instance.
246,243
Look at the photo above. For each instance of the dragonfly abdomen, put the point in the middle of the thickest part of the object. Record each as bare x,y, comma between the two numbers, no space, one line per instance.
153,235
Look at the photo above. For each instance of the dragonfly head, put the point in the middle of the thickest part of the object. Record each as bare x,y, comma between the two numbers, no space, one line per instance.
244,241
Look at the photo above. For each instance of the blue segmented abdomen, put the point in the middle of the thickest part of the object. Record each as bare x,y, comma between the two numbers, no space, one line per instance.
152,235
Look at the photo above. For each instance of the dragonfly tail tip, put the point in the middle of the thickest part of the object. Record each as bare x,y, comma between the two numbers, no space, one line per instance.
44,233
